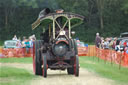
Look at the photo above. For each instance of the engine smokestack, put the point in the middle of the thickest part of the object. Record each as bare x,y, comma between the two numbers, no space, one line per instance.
44,12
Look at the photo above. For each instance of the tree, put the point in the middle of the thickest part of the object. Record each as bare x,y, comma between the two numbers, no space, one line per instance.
9,8
100,6
125,6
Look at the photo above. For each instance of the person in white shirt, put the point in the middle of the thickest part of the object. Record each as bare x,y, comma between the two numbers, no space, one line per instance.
14,38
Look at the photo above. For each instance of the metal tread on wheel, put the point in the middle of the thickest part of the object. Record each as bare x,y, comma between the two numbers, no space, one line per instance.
76,66
44,66
37,59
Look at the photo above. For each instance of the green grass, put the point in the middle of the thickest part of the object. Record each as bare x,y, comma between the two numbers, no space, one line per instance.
16,60
1,43
14,76
105,70
100,68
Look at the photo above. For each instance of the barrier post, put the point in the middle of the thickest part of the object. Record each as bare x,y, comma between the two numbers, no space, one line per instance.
111,57
94,48
106,51
105,57
120,61
99,53
98,56
88,51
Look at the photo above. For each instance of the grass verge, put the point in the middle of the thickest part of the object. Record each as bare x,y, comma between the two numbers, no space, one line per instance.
1,43
14,76
16,60
105,70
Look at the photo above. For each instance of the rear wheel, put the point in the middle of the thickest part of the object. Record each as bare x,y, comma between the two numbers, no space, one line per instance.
37,58
44,67
34,58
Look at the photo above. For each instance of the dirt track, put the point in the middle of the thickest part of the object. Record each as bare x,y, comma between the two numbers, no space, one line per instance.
61,77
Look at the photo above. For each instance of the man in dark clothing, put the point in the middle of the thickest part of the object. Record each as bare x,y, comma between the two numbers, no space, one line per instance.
45,36
97,40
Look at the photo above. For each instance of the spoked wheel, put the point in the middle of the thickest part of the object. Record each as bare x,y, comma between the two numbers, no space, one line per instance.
37,59
76,66
44,67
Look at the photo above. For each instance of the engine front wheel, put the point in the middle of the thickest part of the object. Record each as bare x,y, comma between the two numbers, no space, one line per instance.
44,67
70,71
76,66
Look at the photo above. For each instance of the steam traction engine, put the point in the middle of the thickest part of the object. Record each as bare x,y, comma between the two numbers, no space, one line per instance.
56,49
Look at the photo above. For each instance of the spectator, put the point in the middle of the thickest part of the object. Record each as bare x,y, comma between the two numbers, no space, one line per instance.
23,42
125,45
106,43
14,38
97,40
114,43
33,37
31,42
27,45
117,47
102,42
19,39
111,40
18,44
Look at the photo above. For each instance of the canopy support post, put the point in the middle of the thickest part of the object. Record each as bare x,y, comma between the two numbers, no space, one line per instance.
53,29
69,28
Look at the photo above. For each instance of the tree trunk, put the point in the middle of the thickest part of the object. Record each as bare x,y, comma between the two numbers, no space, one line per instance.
100,6
91,7
101,21
6,19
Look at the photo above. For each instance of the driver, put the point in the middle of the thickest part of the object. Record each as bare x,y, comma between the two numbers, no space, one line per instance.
45,36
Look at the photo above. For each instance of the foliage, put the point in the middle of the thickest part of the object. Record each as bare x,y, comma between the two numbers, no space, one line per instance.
1,43
108,17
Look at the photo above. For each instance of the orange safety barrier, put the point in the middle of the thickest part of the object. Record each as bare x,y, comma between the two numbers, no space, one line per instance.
125,60
22,52
17,52
82,51
0,50
91,50
112,56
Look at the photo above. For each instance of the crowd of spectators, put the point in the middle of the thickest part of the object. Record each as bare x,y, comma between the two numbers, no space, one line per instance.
110,43
25,43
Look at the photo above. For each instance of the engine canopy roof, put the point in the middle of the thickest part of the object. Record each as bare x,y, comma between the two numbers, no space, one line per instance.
54,16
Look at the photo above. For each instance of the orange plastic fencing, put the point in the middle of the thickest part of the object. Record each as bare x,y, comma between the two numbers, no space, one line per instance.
112,56
82,51
17,52
0,50
91,50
